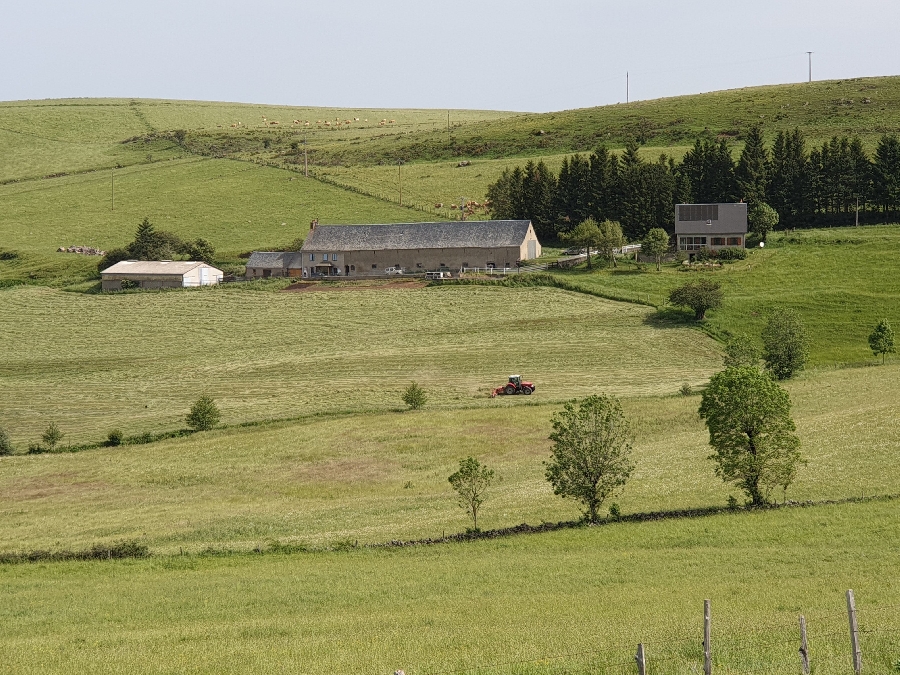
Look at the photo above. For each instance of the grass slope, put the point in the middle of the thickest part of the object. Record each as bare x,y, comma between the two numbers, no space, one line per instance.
377,477
137,361
591,593
841,281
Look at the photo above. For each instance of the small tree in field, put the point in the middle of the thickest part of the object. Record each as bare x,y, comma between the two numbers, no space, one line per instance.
52,436
204,414
471,483
881,341
700,296
611,238
785,344
591,454
6,446
656,244
751,430
586,235
414,396
740,350
763,219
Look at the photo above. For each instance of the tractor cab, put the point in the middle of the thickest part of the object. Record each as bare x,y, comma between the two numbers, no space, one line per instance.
515,380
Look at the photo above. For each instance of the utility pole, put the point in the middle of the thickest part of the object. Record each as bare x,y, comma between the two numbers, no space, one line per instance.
626,86
112,189
305,161
857,210
399,180
449,137
809,55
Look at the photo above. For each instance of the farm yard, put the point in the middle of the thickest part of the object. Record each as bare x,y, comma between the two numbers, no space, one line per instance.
266,536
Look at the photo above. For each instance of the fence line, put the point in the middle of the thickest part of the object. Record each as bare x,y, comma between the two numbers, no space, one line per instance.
708,647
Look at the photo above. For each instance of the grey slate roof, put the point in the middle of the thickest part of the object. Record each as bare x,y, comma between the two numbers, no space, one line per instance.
266,260
725,219
458,234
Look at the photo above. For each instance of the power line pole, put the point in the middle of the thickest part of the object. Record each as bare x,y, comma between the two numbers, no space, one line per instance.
626,86
399,180
809,55
112,189
449,137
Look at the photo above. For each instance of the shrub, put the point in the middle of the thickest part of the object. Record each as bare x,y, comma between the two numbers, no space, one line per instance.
615,511
686,389
740,350
700,296
8,255
36,449
414,396
6,446
115,437
731,254
785,343
204,414
52,436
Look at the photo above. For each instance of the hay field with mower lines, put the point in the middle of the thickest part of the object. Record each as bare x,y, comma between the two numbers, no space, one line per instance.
137,361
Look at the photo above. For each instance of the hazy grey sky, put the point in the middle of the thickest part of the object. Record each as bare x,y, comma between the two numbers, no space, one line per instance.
492,54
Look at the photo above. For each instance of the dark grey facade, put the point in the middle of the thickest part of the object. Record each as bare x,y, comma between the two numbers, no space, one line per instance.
710,226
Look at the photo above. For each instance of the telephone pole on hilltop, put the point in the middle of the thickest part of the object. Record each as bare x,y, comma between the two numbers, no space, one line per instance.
809,55
626,86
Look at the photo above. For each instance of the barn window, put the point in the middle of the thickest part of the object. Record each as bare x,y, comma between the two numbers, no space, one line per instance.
465,264
374,267
352,268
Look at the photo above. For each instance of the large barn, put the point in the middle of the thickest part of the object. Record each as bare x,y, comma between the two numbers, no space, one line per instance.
369,250
159,274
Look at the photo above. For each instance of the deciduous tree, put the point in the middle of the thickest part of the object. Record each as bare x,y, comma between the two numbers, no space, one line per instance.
6,446
586,235
52,436
611,238
471,482
700,296
785,343
204,414
591,454
751,431
740,350
414,396
763,219
881,340
656,245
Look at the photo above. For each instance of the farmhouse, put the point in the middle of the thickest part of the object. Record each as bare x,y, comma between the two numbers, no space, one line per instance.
158,274
710,226
369,250
263,264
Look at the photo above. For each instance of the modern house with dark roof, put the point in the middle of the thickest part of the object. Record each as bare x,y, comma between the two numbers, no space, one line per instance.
159,274
710,226
264,264
369,250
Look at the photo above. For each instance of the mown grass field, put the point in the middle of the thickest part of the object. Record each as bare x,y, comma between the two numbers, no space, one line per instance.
593,593
381,476
137,361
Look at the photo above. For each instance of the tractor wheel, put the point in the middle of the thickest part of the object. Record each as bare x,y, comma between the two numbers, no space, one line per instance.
526,391
509,390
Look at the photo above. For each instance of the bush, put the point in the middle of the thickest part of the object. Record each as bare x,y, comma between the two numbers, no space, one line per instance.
52,436
785,343
8,255
36,449
6,446
204,414
414,396
115,437
700,296
686,389
731,254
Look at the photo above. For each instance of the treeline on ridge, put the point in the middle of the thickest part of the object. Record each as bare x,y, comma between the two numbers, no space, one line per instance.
806,187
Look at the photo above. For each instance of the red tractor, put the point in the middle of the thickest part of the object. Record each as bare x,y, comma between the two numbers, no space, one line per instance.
514,386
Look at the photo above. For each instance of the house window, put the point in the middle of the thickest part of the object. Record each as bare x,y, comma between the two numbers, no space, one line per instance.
734,241
325,256
717,241
692,243
312,257
334,257
352,268
374,267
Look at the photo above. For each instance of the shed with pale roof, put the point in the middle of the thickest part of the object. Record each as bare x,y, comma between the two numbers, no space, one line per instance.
369,250
159,274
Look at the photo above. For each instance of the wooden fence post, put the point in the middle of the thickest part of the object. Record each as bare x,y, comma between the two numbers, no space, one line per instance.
804,647
854,633
641,659
707,649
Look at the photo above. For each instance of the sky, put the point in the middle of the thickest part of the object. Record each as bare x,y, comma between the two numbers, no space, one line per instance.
522,55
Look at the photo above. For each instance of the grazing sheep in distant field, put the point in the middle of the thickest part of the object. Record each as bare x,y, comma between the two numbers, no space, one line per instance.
439,205
356,119
391,122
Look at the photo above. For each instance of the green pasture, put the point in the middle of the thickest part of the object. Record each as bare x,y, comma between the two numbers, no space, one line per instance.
41,138
841,281
237,206
575,601
380,476
138,360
